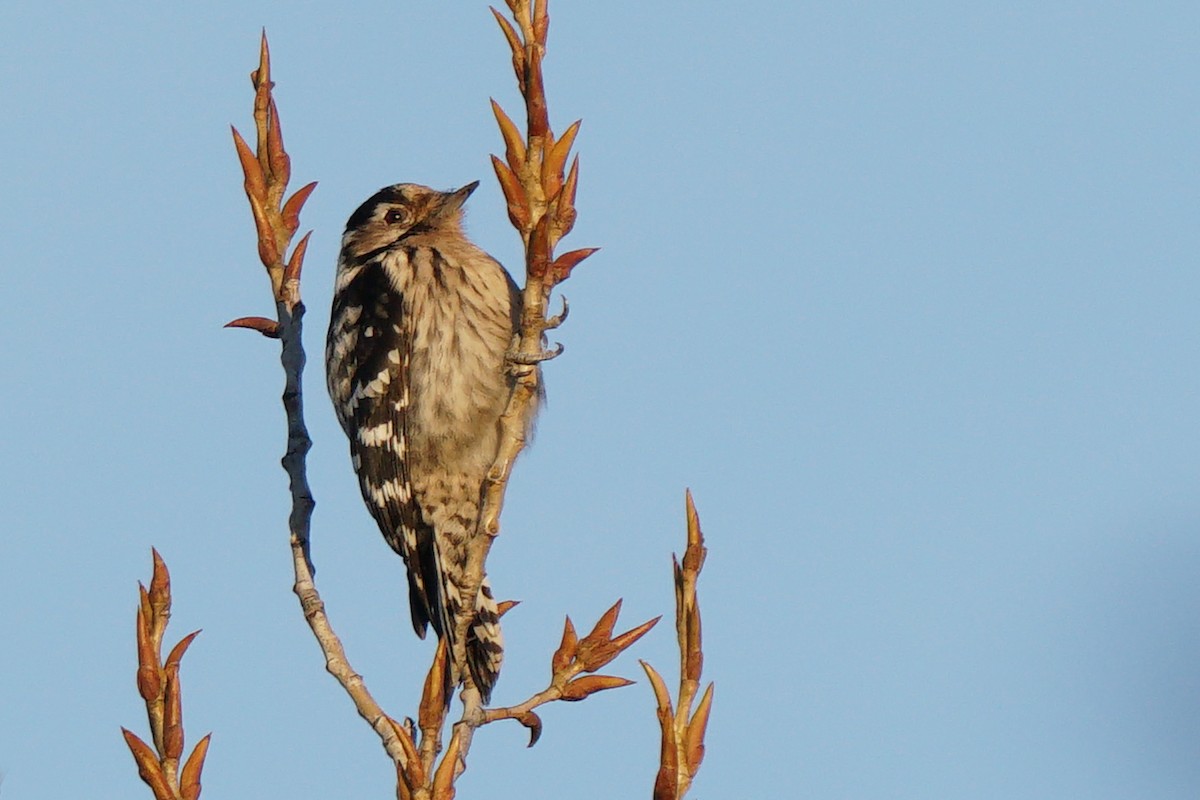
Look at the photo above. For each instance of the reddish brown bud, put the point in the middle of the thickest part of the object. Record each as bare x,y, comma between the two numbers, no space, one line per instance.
263,73
433,697
694,747
556,159
255,181
176,654
590,684
443,779
535,97
514,44
173,715
604,626
144,605
630,636
661,695
560,270
514,147
296,262
565,653
149,681
148,766
291,209
267,327
189,778
268,251
277,157
413,772
160,589
514,194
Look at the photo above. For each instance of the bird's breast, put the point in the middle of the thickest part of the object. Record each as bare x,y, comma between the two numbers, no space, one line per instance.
459,327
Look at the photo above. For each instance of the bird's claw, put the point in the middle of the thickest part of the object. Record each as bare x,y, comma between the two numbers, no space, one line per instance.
560,317
526,359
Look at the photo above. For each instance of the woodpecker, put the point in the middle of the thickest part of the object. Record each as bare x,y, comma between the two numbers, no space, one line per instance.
415,364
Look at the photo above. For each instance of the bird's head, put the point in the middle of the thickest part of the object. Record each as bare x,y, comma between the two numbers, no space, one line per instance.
403,212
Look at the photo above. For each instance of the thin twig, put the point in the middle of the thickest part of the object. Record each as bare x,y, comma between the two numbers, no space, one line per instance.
541,207
683,729
267,171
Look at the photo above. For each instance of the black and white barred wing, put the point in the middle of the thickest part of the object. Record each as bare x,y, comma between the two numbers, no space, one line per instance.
367,358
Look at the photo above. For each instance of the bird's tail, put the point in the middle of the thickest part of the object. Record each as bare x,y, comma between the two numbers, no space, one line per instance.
483,650
485,642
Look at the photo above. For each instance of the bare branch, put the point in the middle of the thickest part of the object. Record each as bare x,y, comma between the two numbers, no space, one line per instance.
573,657
267,172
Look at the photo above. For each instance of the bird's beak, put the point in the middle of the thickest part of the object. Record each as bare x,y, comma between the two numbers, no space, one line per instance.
452,201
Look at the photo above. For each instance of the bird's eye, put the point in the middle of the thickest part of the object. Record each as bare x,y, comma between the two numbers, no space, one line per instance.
396,216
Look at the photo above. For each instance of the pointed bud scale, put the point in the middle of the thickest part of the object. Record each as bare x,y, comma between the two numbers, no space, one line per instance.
291,209
268,252
514,44
694,661
176,654
562,266
144,603
694,746
590,684
630,636
149,681
564,202
565,653
296,263
661,695
173,715
148,766
535,97
514,194
267,327
433,696
571,184
255,181
537,262
604,626
189,778
556,158
514,147
443,779
263,72
403,787
412,762
666,783
160,589
693,557
277,157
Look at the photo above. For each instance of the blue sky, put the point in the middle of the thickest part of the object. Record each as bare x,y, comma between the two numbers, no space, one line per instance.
906,293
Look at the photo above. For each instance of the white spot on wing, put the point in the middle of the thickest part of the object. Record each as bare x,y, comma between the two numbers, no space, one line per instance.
377,435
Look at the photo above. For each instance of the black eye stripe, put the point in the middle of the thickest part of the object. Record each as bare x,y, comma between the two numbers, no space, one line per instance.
387,196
